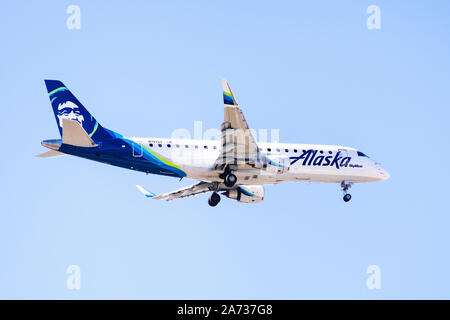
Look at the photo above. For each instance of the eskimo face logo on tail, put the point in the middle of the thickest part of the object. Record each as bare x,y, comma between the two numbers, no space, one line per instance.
70,111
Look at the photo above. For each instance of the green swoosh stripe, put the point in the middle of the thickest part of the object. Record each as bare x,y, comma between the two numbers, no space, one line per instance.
56,90
157,156
95,129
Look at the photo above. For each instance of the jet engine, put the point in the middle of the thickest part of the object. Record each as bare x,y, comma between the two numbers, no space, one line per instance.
247,194
276,164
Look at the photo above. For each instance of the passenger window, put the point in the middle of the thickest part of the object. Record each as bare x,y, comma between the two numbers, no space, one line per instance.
268,149
186,146
295,150
206,147
160,145
168,146
286,150
151,144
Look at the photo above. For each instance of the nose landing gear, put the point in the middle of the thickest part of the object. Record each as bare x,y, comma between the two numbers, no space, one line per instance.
347,197
345,186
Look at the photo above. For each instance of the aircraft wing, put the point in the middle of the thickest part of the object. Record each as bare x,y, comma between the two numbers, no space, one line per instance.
198,188
239,148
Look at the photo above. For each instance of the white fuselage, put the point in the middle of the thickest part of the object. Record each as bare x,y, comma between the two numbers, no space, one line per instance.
297,162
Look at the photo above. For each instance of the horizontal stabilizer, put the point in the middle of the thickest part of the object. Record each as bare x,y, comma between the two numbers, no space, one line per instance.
146,193
50,153
74,134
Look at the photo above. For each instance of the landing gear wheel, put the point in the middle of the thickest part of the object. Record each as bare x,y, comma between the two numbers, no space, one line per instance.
346,184
347,197
214,199
230,180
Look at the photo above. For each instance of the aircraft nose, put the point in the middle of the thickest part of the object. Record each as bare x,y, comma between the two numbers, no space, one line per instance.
384,175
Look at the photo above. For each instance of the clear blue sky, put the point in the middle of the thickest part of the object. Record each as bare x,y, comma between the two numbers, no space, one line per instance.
311,69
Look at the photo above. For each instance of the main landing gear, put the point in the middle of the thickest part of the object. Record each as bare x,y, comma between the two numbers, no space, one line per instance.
214,199
229,179
345,186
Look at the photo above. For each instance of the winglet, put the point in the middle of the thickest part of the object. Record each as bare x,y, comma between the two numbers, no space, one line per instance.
146,193
228,97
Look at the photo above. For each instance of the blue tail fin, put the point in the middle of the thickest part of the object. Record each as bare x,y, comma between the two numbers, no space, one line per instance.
66,106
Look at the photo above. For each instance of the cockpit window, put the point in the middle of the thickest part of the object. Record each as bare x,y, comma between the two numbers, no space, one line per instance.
360,154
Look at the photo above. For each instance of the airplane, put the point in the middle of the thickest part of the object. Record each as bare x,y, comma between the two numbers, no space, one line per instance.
236,166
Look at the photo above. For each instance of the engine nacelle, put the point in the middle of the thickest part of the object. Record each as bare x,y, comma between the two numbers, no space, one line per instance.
277,164
247,194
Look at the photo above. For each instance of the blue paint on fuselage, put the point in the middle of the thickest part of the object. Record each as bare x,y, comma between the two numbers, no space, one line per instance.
117,153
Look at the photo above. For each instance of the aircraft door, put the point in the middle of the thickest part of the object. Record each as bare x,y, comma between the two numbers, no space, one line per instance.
137,150
344,152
